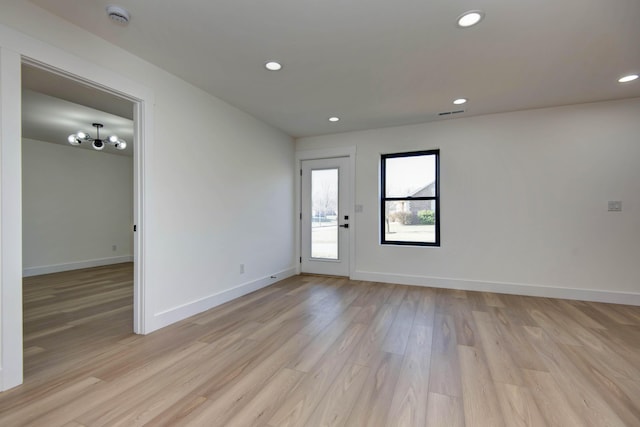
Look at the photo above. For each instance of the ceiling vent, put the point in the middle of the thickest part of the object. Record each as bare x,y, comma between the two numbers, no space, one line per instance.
449,113
118,14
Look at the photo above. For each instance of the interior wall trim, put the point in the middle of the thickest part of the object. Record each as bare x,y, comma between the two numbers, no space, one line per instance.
184,311
76,265
613,297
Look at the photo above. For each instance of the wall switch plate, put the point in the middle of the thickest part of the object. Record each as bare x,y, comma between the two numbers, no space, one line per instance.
241,268
615,206
114,248
358,208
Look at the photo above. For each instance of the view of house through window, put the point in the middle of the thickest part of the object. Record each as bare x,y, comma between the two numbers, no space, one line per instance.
410,198
324,205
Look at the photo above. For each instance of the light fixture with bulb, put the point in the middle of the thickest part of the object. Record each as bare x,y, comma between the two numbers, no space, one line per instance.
470,18
273,66
628,78
97,143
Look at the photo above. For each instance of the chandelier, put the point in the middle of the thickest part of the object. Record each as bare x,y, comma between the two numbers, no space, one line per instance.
97,143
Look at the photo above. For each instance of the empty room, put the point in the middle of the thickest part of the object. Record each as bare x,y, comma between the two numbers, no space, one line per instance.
320,213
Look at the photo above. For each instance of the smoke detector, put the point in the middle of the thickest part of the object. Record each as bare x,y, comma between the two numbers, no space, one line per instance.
118,14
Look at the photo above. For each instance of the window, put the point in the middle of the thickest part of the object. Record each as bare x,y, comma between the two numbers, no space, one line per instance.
410,201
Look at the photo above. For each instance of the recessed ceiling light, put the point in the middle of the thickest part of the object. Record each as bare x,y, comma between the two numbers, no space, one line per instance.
629,78
334,119
470,18
273,66
460,101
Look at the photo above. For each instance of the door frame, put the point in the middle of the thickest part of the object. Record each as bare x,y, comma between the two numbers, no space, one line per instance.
15,49
327,153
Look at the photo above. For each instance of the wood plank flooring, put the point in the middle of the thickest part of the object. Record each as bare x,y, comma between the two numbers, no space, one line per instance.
319,351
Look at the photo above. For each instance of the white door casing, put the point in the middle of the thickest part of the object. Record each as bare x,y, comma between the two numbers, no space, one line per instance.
16,48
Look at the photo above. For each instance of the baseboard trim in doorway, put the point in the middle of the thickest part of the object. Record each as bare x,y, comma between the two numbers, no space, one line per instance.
184,311
614,297
77,265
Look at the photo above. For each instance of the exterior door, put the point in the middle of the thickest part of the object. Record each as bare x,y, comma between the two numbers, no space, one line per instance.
325,216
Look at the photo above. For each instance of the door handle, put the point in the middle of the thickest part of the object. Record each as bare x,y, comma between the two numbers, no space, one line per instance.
344,226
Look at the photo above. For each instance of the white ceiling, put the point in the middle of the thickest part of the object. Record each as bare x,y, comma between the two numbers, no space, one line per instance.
378,63
54,107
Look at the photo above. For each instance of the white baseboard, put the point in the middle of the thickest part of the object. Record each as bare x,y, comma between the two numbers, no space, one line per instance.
184,311
76,265
615,297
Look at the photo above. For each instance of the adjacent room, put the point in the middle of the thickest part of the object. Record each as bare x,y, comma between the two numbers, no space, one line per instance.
77,219
318,213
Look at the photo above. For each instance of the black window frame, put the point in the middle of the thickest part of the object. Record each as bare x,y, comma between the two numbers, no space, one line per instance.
384,199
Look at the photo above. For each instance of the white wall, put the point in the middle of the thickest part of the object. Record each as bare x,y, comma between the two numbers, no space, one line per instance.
523,202
76,204
223,196
218,182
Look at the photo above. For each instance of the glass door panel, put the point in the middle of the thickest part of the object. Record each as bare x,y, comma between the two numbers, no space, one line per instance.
324,220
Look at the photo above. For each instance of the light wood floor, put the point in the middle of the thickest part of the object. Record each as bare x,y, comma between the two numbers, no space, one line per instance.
312,351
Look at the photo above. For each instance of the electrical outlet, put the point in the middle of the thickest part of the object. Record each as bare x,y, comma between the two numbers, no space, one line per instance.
615,206
114,248
241,268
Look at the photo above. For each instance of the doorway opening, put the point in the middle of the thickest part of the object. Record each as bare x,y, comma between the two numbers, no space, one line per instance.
77,217
16,50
